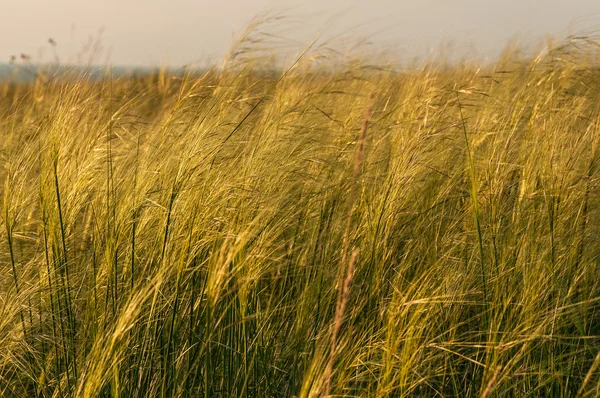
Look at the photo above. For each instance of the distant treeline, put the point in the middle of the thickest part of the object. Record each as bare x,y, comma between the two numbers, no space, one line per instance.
26,73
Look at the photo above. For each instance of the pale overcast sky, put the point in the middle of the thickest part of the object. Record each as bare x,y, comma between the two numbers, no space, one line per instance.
176,32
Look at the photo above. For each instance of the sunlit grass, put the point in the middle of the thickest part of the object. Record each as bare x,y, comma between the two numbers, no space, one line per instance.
361,232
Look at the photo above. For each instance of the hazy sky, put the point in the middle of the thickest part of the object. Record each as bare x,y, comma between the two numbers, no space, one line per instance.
176,32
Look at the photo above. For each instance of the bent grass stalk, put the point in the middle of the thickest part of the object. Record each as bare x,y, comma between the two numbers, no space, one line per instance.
476,216
344,284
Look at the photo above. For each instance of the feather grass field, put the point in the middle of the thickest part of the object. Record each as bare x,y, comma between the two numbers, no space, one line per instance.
349,231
